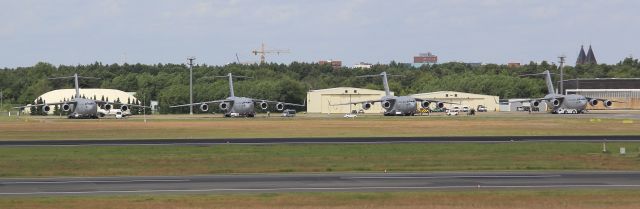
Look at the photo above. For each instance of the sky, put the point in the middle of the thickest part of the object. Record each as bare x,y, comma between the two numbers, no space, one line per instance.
71,32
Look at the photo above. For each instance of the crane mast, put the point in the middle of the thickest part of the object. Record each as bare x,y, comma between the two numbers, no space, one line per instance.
262,51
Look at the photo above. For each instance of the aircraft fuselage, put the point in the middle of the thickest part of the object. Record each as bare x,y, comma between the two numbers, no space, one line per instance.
241,106
570,102
402,105
84,108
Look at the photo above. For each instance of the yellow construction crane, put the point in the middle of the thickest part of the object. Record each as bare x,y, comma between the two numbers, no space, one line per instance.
262,51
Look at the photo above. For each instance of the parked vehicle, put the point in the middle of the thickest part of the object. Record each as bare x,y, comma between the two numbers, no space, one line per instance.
465,109
349,115
289,113
481,108
453,111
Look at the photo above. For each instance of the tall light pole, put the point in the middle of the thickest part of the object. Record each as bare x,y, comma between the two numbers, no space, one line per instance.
191,84
561,75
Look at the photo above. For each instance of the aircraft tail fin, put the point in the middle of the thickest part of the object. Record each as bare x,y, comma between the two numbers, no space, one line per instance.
547,79
75,80
385,81
231,76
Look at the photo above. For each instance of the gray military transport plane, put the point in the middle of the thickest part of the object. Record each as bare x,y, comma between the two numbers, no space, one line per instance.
395,105
564,104
239,106
80,107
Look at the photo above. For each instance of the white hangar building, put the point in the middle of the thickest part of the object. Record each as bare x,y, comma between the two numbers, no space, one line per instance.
111,95
321,100
470,100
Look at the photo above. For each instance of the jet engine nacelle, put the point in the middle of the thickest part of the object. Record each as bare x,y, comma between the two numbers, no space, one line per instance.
440,105
607,103
555,102
593,102
386,104
204,107
280,106
264,105
223,106
108,106
535,103
124,108
425,104
66,107
46,108
366,105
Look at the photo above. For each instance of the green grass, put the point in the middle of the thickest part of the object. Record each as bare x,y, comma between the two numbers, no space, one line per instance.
539,199
189,160
181,127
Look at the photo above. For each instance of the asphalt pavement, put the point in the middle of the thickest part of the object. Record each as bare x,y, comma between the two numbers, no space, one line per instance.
315,140
318,182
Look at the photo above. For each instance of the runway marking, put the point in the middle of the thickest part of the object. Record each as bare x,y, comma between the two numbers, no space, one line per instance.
93,181
448,177
320,189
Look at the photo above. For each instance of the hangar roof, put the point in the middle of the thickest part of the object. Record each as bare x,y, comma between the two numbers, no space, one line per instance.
452,94
347,90
603,83
60,94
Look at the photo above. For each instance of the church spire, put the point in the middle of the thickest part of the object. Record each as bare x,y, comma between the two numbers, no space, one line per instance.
591,58
582,58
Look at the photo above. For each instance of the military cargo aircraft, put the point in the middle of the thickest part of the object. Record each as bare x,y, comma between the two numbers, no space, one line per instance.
239,106
564,104
395,105
79,107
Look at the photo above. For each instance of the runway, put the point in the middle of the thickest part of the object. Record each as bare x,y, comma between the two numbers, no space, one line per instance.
315,140
318,182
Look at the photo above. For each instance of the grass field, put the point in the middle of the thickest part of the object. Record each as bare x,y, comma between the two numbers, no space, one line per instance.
229,158
208,126
542,199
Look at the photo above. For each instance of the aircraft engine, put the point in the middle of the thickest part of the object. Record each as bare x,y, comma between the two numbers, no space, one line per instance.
46,108
108,106
264,105
535,103
593,102
425,104
204,107
366,105
555,102
607,103
224,106
386,104
66,107
280,106
124,108
440,104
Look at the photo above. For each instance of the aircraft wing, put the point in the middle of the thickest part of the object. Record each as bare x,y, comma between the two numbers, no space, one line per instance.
360,102
199,103
537,99
603,100
275,102
100,102
431,100
38,105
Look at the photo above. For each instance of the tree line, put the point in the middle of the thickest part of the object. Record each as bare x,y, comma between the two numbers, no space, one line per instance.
169,83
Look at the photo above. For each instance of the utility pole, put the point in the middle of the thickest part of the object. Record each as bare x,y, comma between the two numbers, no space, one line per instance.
191,84
562,74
